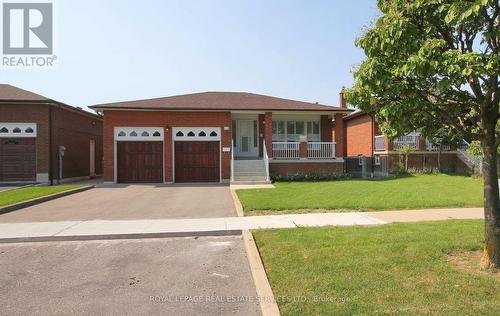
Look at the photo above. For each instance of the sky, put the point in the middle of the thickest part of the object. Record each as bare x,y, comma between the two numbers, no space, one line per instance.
117,50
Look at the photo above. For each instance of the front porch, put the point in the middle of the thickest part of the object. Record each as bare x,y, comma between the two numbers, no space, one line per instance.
265,143
284,136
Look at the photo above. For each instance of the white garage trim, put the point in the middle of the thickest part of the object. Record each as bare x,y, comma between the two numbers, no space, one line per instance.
139,134
9,129
196,133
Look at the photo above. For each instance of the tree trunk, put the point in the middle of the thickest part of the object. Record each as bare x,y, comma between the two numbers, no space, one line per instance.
439,159
491,254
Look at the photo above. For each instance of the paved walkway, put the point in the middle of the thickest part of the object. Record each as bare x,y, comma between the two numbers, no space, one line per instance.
103,228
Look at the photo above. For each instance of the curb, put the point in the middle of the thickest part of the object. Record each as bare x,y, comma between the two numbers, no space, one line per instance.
35,201
237,203
268,304
122,236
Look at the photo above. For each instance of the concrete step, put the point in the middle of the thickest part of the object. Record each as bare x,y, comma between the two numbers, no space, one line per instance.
249,167
250,178
251,182
250,174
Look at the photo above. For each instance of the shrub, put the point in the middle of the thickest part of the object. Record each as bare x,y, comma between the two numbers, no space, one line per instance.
297,177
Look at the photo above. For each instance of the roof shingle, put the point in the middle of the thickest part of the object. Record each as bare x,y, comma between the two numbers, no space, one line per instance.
11,93
213,101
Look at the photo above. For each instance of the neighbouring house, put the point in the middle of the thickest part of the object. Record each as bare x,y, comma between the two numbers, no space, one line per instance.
220,137
364,139
42,140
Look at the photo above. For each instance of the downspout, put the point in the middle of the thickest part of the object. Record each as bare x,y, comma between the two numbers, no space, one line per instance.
50,147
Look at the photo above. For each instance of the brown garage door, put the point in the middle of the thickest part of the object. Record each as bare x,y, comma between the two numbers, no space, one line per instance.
17,159
140,162
197,162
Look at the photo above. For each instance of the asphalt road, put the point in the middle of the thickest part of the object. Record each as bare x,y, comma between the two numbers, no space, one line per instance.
170,276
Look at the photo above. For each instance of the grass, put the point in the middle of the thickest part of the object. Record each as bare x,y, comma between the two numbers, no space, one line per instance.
24,194
414,192
391,269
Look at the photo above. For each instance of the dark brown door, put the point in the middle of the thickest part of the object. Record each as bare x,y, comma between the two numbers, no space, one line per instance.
140,162
197,162
17,159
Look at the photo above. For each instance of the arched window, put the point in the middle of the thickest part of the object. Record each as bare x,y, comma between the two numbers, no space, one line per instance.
122,133
179,134
133,133
4,130
16,130
29,130
202,133
213,134
145,134
191,134
156,134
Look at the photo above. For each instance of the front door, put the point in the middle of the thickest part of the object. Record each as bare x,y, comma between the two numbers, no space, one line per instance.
246,138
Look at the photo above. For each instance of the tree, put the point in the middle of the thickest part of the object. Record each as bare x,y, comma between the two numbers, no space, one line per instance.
405,150
431,65
442,138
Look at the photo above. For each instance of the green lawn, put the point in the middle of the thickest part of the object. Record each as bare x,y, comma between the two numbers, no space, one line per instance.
24,194
392,269
415,192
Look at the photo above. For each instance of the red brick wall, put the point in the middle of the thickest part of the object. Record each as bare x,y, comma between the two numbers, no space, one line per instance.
359,132
340,139
293,168
75,131
69,128
165,119
31,113
326,129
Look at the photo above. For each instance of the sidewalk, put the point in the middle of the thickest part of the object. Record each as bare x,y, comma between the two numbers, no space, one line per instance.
95,229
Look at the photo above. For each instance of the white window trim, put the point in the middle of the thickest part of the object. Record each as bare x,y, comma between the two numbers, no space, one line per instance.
139,131
305,121
196,131
22,126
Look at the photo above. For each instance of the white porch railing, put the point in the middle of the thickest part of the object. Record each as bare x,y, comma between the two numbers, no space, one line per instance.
432,147
380,142
285,150
412,140
266,159
321,150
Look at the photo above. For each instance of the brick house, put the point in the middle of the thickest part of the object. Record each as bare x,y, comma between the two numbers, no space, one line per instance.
364,138
219,137
33,130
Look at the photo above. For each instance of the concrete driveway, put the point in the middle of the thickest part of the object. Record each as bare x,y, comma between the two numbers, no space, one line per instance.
123,202
181,276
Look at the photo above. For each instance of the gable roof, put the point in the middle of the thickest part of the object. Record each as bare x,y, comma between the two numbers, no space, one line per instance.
11,94
217,101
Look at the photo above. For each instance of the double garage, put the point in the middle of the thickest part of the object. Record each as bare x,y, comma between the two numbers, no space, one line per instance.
141,156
